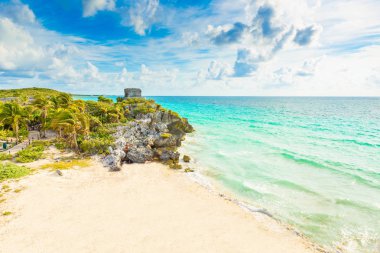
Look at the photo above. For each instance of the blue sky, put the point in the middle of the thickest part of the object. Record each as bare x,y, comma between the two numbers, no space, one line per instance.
174,47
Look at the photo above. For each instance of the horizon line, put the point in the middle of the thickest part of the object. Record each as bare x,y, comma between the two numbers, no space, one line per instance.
300,96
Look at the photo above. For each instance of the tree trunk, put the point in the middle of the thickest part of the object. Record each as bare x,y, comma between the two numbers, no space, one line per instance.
75,146
15,126
44,126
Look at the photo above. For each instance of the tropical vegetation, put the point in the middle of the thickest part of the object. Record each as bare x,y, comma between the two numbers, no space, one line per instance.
83,126
12,171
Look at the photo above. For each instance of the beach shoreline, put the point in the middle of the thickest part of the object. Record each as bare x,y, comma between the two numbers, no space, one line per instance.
152,208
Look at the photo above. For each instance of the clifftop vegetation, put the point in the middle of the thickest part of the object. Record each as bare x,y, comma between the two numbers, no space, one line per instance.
29,92
87,127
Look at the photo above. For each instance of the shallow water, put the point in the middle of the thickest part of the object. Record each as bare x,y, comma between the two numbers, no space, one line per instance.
312,162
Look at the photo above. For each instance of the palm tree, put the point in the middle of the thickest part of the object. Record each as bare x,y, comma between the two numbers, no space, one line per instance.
71,123
78,106
14,115
43,106
63,100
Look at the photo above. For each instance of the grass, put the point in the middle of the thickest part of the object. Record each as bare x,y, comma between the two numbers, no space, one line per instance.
5,187
31,153
6,213
5,156
18,190
2,200
12,171
66,165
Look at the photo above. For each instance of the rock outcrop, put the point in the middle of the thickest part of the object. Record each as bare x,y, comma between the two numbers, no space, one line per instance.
153,134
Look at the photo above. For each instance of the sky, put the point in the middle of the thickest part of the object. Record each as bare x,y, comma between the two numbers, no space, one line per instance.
198,47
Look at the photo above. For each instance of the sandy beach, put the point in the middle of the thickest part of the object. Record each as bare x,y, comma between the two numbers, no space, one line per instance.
143,208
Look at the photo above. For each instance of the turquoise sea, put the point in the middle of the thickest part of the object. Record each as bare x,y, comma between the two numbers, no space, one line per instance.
313,163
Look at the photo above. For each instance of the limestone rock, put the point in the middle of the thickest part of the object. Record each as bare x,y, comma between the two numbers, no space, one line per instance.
186,158
187,170
140,154
150,135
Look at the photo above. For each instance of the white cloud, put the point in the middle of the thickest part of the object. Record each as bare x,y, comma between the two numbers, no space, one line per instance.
218,70
267,30
18,48
140,15
228,48
158,77
91,7
190,38
18,12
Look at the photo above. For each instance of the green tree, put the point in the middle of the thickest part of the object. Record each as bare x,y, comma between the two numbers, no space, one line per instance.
14,115
42,106
63,100
71,124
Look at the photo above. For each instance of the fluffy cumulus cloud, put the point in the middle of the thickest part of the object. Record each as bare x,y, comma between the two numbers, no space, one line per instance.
18,12
29,50
16,46
268,32
91,7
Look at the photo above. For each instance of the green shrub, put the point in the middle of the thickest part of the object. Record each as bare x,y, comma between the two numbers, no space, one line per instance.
112,118
143,109
23,134
105,100
11,171
31,153
96,146
5,156
4,134
61,145
134,100
41,143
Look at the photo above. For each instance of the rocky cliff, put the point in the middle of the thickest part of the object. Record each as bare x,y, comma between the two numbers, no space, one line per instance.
153,133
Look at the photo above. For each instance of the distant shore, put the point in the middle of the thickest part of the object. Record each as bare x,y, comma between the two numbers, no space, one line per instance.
143,208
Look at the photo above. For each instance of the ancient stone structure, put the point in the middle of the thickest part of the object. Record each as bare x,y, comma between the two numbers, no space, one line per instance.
132,92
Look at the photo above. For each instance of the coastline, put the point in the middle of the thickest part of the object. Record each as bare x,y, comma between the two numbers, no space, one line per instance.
263,216
144,207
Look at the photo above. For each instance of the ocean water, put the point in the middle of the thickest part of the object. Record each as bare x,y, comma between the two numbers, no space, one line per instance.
313,163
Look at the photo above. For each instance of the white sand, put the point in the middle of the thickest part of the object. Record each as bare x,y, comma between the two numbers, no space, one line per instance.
144,208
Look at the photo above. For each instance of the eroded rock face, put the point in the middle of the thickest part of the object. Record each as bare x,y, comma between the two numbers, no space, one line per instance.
140,154
166,155
151,136
114,160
